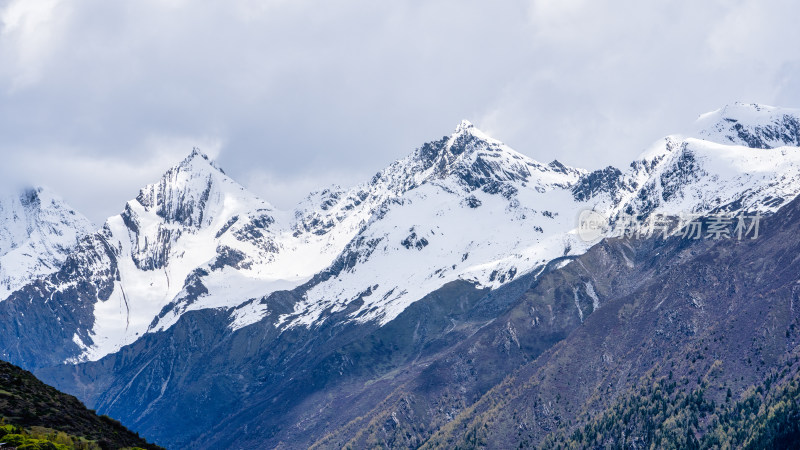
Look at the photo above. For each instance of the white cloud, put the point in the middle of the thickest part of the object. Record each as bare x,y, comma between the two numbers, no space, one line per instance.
28,29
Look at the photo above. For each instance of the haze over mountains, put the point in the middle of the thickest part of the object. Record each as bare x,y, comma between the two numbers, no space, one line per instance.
201,303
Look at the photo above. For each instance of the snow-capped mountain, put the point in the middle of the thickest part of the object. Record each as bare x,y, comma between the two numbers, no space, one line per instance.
740,157
465,178
750,125
479,211
37,232
196,239
200,296
464,207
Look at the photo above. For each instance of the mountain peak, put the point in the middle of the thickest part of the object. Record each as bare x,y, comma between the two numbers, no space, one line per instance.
463,126
750,124
42,197
25,210
465,140
197,159
477,160
37,232
196,152
185,190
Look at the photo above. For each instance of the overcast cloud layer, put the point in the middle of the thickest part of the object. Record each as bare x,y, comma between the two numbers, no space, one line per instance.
98,98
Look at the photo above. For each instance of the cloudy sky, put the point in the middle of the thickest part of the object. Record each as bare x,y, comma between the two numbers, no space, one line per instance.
98,98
